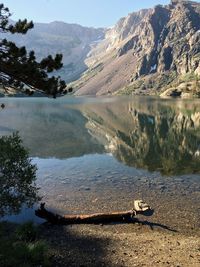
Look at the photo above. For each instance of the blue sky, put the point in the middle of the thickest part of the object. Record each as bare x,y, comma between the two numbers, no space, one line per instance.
97,13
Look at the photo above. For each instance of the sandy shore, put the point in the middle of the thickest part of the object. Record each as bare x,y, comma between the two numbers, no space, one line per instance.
121,245
171,237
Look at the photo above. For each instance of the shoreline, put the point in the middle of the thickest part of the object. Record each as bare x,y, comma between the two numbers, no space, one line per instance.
114,245
120,245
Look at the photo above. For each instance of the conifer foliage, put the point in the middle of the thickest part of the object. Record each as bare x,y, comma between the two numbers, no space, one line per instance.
19,68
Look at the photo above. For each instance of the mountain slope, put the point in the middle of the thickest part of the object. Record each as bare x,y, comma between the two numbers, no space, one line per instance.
146,51
72,40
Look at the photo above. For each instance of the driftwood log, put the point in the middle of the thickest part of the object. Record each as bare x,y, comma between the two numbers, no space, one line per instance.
140,207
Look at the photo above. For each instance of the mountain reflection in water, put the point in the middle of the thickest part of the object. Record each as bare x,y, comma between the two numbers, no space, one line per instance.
148,133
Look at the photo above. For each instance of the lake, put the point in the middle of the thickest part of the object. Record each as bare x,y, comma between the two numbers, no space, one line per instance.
99,154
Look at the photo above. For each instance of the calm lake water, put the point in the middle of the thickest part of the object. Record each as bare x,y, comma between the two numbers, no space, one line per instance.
98,154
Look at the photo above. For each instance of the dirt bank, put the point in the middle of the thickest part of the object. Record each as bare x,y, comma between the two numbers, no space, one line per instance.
121,245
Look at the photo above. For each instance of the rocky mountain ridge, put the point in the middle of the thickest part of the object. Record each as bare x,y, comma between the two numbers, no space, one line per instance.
152,51
157,45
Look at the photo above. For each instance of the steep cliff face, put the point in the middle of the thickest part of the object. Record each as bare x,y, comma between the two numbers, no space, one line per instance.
150,51
118,33
161,41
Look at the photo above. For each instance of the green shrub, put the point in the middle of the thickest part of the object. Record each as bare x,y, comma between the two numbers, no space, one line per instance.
38,253
18,253
16,249
26,232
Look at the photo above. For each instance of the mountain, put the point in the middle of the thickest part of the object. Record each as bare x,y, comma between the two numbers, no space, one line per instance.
153,51
72,40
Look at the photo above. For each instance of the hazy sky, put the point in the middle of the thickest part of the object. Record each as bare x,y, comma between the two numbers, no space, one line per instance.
97,13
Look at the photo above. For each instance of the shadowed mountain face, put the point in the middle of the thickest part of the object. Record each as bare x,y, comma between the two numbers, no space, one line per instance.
72,40
147,49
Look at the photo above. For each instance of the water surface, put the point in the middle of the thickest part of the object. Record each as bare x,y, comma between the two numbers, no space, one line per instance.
98,154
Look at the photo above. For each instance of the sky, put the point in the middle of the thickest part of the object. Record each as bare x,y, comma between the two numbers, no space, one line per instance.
92,13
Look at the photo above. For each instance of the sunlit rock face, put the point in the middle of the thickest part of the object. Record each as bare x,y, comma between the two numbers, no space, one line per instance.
157,41
151,136
147,49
